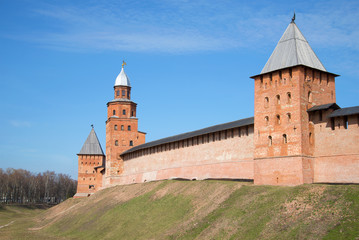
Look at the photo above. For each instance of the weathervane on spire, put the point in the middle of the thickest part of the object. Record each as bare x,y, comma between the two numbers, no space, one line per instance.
123,63
92,125
293,18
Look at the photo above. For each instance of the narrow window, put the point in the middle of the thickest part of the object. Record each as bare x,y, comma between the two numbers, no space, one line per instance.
266,118
327,79
290,73
310,138
266,102
320,116
345,122
114,112
280,76
278,99
270,141
310,97
128,94
118,93
320,78
289,117
115,127
131,143
132,114
122,127
278,119
261,81
123,93
270,79
289,97
123,112
129,128
284,138
116,143
332,120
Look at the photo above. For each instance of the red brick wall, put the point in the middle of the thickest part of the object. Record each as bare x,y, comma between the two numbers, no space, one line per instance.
88,175
197,158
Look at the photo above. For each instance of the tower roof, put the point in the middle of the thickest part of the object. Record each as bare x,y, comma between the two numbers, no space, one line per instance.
122,79
292,50
92,145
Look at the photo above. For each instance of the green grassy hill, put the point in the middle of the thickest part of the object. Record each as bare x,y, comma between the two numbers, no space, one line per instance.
195,210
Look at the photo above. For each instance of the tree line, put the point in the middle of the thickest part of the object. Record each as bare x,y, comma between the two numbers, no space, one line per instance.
23,187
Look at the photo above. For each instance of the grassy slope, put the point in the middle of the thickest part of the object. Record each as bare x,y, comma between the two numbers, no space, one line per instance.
197,210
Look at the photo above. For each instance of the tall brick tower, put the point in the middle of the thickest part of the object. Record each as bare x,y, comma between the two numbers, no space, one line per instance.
91,161
292,81
121,126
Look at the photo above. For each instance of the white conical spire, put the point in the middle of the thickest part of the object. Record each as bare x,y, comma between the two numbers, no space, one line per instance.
292,50
122,79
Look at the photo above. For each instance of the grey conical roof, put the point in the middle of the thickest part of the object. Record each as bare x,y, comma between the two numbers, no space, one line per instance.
92,145
292,50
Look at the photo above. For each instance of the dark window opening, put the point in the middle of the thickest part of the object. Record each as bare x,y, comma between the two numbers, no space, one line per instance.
285,138
129,128
332,120
122,128
116,143
310,138
289,97
115,127
114,112
118,93
290,73
123,93
123,112
270,141
346,122
289,116
266,118
132,114
131,143
278,99
278,119
266,102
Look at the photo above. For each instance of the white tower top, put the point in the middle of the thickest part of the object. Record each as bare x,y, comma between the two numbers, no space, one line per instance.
122,79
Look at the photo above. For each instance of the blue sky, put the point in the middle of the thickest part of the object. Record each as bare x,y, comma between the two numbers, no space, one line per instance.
189,64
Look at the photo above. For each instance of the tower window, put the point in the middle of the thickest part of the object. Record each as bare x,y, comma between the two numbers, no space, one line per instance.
278,119
290,73
129,128
270,141
123,112
116,143
131,143
332,123
280,75
122,127
285,138
278,99
123,93
310,96
261,81
266,102
266,118
128,94
289,97
310,138
118,93
289,117
132,114
114,112
115,127
346,122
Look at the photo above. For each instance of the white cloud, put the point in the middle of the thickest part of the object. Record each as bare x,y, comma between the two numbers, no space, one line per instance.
16,123
185,26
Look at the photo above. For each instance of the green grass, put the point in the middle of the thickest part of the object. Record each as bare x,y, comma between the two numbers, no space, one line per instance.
196,210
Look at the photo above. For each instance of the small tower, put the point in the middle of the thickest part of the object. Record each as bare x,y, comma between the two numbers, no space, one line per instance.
292,81
121,125
91,162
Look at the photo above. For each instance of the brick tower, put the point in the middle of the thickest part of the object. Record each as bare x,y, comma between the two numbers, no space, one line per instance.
121,126
91,160
292,81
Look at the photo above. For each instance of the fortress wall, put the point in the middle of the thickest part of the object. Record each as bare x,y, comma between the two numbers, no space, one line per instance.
227,154
336,151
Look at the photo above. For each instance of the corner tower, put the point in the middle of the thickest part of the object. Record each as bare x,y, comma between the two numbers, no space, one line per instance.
91,165
121,126
292,81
